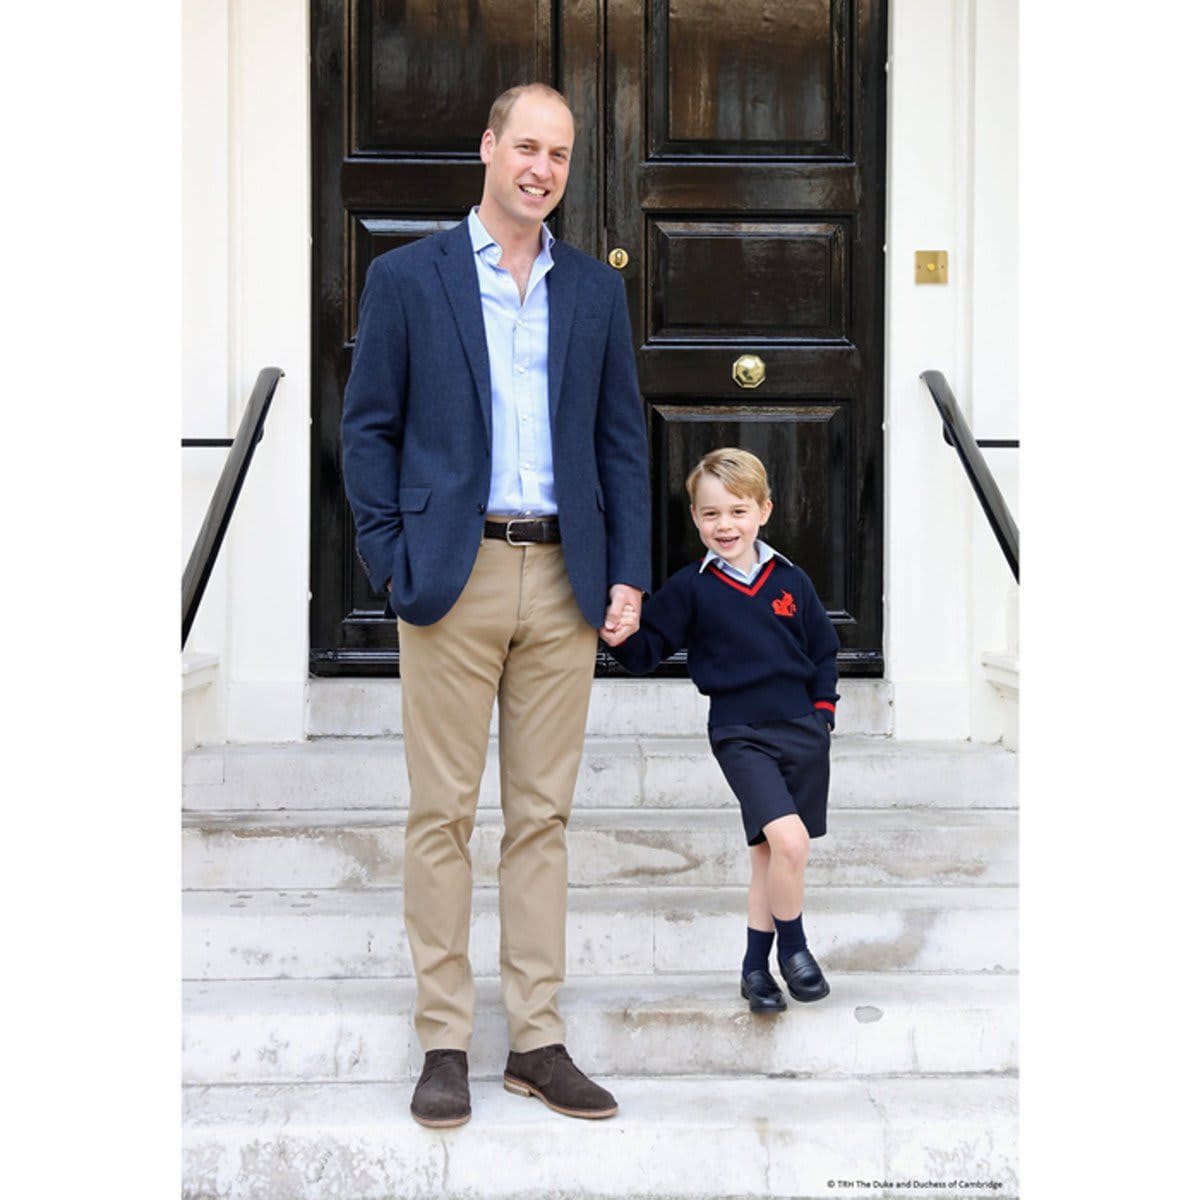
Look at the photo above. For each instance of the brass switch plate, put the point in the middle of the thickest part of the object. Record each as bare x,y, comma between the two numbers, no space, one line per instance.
933,266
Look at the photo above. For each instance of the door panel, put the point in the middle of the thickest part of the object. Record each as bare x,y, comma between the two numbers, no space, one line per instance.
763,78
781,281
425,69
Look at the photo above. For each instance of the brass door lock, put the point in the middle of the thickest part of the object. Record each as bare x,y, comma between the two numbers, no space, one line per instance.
618,258
749,371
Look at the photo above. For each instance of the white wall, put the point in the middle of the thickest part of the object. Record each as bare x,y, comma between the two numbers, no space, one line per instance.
952,186
206,321
246,251
951,148
993,397
267,643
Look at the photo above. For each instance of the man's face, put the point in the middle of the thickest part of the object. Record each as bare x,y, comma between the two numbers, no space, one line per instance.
527,165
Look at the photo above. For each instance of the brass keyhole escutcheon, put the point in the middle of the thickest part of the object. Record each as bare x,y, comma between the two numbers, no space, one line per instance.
749,371
618,258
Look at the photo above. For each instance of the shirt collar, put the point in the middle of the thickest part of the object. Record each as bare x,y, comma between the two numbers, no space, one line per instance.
765,554
482,240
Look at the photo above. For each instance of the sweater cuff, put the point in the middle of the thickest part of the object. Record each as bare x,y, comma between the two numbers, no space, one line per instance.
827,710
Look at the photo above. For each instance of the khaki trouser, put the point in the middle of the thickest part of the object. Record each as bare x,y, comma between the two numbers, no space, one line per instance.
516,632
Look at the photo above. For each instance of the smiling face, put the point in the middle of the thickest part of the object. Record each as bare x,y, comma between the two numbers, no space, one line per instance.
527,165
728,524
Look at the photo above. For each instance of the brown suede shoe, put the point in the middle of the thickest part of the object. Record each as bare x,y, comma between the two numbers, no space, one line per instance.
442,1097
549,1074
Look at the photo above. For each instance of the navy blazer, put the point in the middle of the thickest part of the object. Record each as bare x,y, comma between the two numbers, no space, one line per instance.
417,427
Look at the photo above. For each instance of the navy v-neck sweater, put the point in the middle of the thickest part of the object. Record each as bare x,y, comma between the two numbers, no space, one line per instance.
765,651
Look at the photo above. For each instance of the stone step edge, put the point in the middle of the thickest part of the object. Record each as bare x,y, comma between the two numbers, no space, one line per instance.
661,892
704,1138
632,1083
386,1092
872,745
266,1013
579,978
366,707
615,1083
661,930
591,989
588,817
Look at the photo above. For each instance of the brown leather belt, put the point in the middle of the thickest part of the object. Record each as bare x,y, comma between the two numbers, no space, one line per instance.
524,531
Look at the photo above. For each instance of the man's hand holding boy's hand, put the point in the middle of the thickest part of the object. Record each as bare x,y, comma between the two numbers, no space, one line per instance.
623,616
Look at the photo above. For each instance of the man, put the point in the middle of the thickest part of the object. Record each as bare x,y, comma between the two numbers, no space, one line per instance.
495,459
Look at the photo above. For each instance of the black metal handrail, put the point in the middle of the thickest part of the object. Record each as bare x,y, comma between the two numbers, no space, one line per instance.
220,508
958,434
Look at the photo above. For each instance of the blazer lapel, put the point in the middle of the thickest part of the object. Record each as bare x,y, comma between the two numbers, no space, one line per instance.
457,269
561,282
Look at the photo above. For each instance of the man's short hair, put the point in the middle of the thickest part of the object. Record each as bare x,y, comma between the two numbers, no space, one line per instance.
739,472
502,106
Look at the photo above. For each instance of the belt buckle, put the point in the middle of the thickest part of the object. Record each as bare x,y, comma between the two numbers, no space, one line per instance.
508,536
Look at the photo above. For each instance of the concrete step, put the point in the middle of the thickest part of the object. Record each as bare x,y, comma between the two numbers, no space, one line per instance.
622,707
610,931
607,847
702,1139
360,1031
616,772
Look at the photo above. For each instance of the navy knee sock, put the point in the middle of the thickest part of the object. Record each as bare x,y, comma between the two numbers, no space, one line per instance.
758,949
791,936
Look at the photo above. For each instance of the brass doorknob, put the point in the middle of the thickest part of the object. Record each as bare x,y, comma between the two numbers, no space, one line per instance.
749,371
618,258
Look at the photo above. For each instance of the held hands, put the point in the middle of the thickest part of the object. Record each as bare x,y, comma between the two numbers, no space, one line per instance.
627,625
623,616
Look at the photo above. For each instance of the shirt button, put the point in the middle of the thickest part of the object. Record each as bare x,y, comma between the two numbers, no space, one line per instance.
481,507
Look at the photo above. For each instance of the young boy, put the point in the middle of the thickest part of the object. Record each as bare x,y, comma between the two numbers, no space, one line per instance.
762,648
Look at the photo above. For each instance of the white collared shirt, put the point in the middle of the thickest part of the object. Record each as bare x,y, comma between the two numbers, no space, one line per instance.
765,554
518,343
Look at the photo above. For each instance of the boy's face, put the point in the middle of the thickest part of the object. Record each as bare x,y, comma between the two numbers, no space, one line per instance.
728,524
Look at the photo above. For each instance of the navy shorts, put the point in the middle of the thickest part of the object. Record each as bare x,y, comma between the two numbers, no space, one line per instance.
777,769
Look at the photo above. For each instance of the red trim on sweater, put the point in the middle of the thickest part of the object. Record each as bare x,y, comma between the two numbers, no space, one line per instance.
741,587
824,704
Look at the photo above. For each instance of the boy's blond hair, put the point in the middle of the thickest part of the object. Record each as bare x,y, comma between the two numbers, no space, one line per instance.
738,471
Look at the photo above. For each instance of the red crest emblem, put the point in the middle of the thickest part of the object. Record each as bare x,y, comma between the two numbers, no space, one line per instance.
785,605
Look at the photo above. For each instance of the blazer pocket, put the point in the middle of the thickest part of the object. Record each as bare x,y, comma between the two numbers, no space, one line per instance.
412,499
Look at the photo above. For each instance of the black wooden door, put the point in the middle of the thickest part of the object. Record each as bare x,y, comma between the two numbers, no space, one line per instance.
734,152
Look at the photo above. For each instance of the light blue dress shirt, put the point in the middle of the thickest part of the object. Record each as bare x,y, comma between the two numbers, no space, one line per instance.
518,338
765,554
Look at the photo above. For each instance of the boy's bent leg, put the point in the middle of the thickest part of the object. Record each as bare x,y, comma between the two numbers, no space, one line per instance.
449,673
789,844
543,711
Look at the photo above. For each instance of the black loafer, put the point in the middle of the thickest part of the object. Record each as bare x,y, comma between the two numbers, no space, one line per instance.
763,993
803,977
